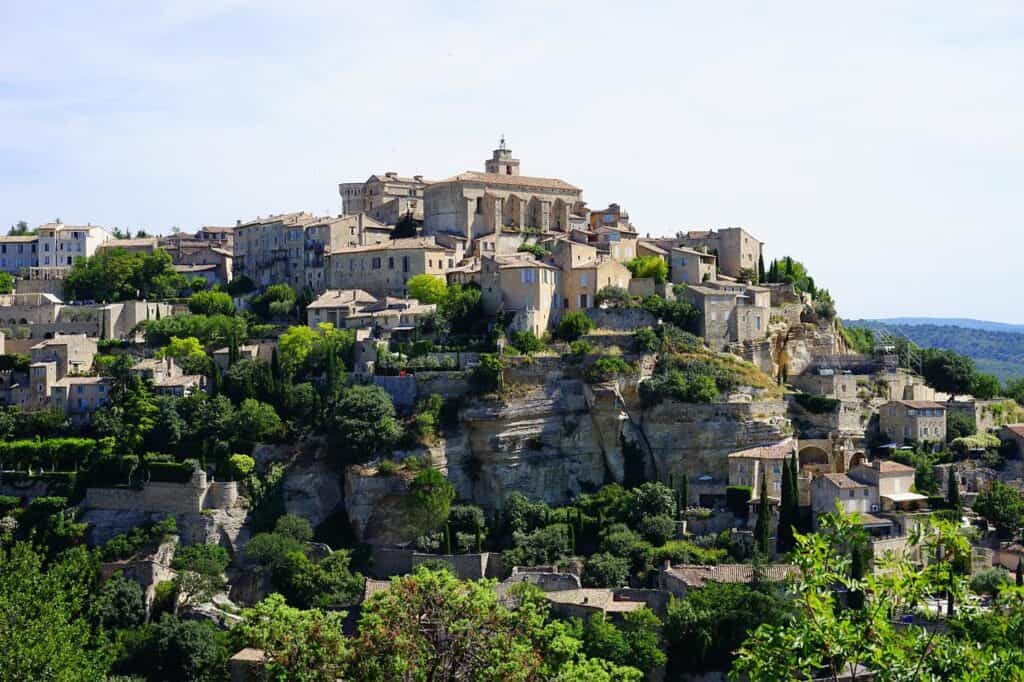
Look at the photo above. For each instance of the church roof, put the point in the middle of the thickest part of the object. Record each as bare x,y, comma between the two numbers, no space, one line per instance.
511,181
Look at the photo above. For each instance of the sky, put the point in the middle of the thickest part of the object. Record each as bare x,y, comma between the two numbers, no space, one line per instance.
881,143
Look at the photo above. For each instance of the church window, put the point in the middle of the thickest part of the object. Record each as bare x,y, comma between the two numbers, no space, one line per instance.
479,205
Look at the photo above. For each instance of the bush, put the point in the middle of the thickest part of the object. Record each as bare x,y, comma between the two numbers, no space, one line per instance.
388,467
241,466
8,503
990,581
683,552
657,530
736,499
608,368
526,342
816,404
294,527
487,375
649,266
580,348
645,340
211,303
613,297
573,325
980,441
605,570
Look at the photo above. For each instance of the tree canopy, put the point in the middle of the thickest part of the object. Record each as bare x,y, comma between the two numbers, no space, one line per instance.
118,275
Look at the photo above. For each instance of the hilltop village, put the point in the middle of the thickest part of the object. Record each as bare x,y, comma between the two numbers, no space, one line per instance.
483,389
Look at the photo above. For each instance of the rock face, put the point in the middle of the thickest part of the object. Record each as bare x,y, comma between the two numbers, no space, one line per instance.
375,505
541,442
312,489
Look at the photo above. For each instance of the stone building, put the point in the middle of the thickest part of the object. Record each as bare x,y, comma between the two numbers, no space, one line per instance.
913,420
385,198
736,248
357,309
690,266
1013,435
42,316
828,382
522,285
748,467
54,246
473,204
730,312
167,377
292,248
585,271
383,269
142,245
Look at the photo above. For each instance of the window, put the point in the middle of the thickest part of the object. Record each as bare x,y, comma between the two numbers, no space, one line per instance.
527,276
583,279
391,263
479,205
375,264
852,493
405,264
757,323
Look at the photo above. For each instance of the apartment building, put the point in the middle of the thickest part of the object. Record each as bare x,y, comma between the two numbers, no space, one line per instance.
747,467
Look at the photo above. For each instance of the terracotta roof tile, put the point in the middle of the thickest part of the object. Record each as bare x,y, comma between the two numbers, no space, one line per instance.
698,576
511,181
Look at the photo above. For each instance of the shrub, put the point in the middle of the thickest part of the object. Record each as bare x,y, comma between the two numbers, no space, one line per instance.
607,368
605,570
538,251
294,527
573,325
526,342
8,503
241,466
980,441
684,552
211,303
990,581
736,499
657,530
487,375
649,266
613,297
645,340
579,348
816,404
388,467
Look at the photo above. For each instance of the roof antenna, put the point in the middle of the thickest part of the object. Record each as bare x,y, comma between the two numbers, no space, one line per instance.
502,145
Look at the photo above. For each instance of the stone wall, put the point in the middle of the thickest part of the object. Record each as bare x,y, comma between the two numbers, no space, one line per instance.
621,319
641,286
445,384
402,389
389,561
170,498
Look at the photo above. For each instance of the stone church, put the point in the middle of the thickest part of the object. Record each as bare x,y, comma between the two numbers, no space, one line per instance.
473,204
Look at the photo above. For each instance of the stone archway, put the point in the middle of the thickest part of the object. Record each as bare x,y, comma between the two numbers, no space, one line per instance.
857,459
814,458
512,211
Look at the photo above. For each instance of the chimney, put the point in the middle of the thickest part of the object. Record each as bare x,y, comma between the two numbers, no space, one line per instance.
418,178
391,174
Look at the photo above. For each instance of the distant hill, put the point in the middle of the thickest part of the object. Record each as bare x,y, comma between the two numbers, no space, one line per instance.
955,322
996,351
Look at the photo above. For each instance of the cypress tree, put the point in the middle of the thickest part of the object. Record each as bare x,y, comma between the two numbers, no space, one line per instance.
479,538
856,597
762,530
448,538
1020,572
783,539
684,491
572,538
760,268
953,490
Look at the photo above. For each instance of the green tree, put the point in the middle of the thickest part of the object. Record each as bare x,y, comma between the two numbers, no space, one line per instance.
1002,506
959,425
256,422
405,228
948,371
953,490
44,630
174,649
613,297
200,573
117,275
306,646
6,283
762,528
654,267
985,386
428,502
526,342
573,325
605,570
211,303
364,422
427,288
822,639
120,603
635,642
188,353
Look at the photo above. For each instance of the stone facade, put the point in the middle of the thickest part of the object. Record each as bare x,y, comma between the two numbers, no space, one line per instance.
736,249
386,197
913,420
383,269
474,204
171,498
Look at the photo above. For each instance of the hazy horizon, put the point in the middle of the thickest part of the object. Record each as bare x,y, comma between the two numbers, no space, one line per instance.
880,144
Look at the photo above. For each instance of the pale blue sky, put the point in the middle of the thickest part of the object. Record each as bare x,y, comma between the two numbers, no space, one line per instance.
881,143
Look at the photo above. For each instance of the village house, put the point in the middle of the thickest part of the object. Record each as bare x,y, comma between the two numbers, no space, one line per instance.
913,421
357,309
18,253
54,247
385,198
827,382
730,312
41,316
523,285
690,266
747,467
737,250
473,204
680,580
167,377
585,271
1013,435
869,489
383,269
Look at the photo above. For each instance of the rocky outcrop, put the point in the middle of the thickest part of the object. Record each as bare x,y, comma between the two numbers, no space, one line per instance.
540,441
312,488
375,505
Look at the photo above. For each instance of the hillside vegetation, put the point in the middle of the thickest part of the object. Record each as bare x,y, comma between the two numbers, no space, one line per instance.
998,353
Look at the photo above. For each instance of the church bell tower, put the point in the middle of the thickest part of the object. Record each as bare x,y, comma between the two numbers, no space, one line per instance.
501,161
